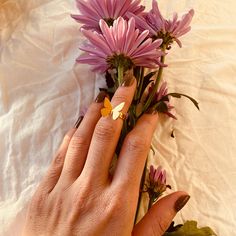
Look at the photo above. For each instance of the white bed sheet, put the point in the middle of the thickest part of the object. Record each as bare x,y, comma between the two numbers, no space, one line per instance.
42,91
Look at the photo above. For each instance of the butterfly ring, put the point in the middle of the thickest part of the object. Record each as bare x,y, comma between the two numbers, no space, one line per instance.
122,116
114,112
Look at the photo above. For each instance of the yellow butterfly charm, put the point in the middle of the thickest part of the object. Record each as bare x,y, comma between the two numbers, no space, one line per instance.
109,110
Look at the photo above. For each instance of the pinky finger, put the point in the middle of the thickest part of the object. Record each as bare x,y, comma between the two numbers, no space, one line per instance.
52,175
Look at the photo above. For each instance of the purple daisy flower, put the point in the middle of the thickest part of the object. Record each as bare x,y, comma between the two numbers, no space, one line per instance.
168,30
157,176
92,11
157,182
120,45
162,92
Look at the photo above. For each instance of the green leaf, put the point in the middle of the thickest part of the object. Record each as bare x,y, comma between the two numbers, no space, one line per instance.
190,229
150,75
179,95
161,107
173,227
137,71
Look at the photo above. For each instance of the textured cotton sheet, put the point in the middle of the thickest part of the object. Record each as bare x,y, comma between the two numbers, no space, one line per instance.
43,91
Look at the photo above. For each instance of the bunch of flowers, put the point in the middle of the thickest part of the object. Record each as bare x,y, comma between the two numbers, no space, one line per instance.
122,38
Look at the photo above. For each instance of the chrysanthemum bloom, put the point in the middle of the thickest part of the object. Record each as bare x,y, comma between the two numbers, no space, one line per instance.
157,182
92,11
120,45
159,27
160,94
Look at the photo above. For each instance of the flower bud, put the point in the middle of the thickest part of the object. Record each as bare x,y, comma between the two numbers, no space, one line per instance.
157,182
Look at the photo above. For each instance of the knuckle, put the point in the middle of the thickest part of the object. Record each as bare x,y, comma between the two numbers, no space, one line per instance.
150,125
115,208
37,202
56,166
104,130
67,138
160,226
81,200
58,202
136,143
78,142
58,159
117,204
53,174
121,96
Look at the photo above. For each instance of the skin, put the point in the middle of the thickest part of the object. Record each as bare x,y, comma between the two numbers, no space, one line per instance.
78,196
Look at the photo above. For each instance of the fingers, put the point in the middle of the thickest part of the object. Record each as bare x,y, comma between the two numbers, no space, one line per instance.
79,143
107,132
53,174
134,152
161,214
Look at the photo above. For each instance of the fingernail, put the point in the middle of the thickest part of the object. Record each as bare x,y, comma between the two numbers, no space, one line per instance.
128,79
101,96
77,123
181,202
151,111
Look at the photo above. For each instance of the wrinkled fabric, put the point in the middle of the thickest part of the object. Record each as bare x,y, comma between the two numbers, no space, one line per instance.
42,92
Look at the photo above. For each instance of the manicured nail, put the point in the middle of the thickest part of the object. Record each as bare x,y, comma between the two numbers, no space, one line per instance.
128,79
77,123
151,111
181,202
101,96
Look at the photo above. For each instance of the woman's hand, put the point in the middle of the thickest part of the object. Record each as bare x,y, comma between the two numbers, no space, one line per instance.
78,196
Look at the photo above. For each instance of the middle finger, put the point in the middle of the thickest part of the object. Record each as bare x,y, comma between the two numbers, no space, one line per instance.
107,132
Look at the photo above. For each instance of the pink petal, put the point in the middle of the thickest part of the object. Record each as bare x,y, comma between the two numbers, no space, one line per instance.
119,8
97,40
84,19
157,173
86,9
98,7
138,41
93,51
107,33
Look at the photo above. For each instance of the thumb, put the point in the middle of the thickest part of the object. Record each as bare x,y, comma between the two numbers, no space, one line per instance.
161,214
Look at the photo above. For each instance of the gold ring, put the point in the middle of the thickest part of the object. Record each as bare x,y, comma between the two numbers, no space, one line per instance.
122,116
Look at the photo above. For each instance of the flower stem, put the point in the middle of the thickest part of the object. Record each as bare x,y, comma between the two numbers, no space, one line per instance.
140,193
141,84
151,201
137,74
120,74
156,85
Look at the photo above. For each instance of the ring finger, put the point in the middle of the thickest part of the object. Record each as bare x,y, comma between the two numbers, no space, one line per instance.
79,144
